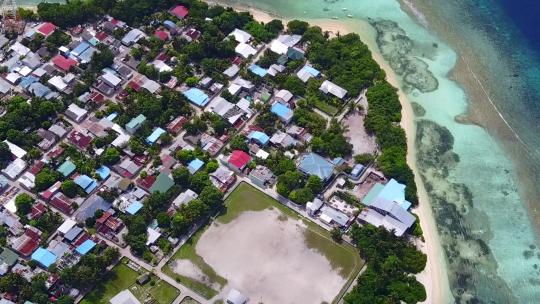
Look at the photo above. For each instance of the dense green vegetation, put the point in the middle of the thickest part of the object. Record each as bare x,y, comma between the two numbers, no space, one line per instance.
391,264
382,119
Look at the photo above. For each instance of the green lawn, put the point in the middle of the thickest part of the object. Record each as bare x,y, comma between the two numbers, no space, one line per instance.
188,300
122,277
326,107
342,257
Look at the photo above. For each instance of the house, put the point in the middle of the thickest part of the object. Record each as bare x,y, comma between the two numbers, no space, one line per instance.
85,247
357,171
111,80
44,257
107,224
223,178
245,50
27,242
184,198
197,97
179,11
283,140
132,37
14,169
235,297
284,113
52,190
284,96
331,216
153,236
281,44
127,168
90,206
393,191
124,297
75,113
238,160
156,134
162,35
135,123
16,151
46,29
58,130
195,165
66,226
87,183
314,164
257,70
162,184
313,206
176,125
259,137
262,176
66,168
48,139
63,63
11,221
8,257
329,87
241,36
231,71
82,141
62,203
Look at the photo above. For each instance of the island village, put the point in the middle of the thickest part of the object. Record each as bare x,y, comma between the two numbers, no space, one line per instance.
121,145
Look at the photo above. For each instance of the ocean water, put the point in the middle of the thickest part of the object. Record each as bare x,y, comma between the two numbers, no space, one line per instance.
480,170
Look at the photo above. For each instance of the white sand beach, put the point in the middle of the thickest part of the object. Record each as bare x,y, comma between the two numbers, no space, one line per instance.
434,276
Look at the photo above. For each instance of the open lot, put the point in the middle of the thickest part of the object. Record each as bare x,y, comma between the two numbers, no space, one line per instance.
123,277
268,252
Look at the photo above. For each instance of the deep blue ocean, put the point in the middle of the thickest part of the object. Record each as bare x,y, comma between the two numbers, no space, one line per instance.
525,14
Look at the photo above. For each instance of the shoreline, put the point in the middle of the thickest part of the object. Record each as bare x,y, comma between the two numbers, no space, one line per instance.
434,277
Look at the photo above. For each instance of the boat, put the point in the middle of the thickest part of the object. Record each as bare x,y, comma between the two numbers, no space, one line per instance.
345,9
350,15
335,17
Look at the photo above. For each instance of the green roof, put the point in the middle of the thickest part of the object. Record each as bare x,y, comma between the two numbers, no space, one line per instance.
66,168
162,184
9,257
372,194
136,122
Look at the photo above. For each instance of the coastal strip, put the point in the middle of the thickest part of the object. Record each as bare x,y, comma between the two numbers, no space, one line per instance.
434,277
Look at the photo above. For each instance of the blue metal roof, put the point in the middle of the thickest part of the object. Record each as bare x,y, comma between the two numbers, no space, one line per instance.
281,110
134,207
314,164
112,116
311,70
257,70
27,81
66,168
86,182
195,165
197,97
155,136
44,257
259,136
169,24
38,89
357,169
80,48
103,172
86,56
85,247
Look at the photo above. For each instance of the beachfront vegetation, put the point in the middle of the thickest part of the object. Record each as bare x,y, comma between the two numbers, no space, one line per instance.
392,263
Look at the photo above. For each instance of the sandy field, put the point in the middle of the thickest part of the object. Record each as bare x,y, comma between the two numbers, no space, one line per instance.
190,270
269,262
358,137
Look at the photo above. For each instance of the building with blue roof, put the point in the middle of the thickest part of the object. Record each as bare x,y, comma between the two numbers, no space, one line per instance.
86,182
357,171
307,72
169,24
259,137
85,247
134,208
86,56
195,165
38,89
392,192
257,70
27,81
314,164
135,123
197,97
112,116
79,49
284,113
66,168
153,138
104,172
44,257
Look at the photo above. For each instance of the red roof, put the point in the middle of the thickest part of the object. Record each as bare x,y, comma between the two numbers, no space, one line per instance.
162,56
47,194
163,35
180,11
80,140
56,152
239,159
38,210
101,36
146,182
28,242
62,203
135,86
193,33
176,125
64,63
36,168
46,29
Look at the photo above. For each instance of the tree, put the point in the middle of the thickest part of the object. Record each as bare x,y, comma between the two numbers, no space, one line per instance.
315,184
70,188
111,156
182,177
364,158
239,142
297,27
199,181
211,196
294,85
289,181
180,224
301,196
5,154
24,203
163,220
336,235
275,26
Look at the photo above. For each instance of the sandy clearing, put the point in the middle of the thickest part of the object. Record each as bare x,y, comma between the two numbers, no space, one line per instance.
267,259
188,269
358,137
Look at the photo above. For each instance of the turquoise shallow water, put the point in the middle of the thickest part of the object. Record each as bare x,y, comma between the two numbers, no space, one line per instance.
486,231
484,221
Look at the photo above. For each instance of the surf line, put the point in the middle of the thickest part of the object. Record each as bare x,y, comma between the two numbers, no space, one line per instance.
521,141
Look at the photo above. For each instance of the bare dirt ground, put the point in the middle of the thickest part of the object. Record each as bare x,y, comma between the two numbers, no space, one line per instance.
266,258
358,137
190,270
